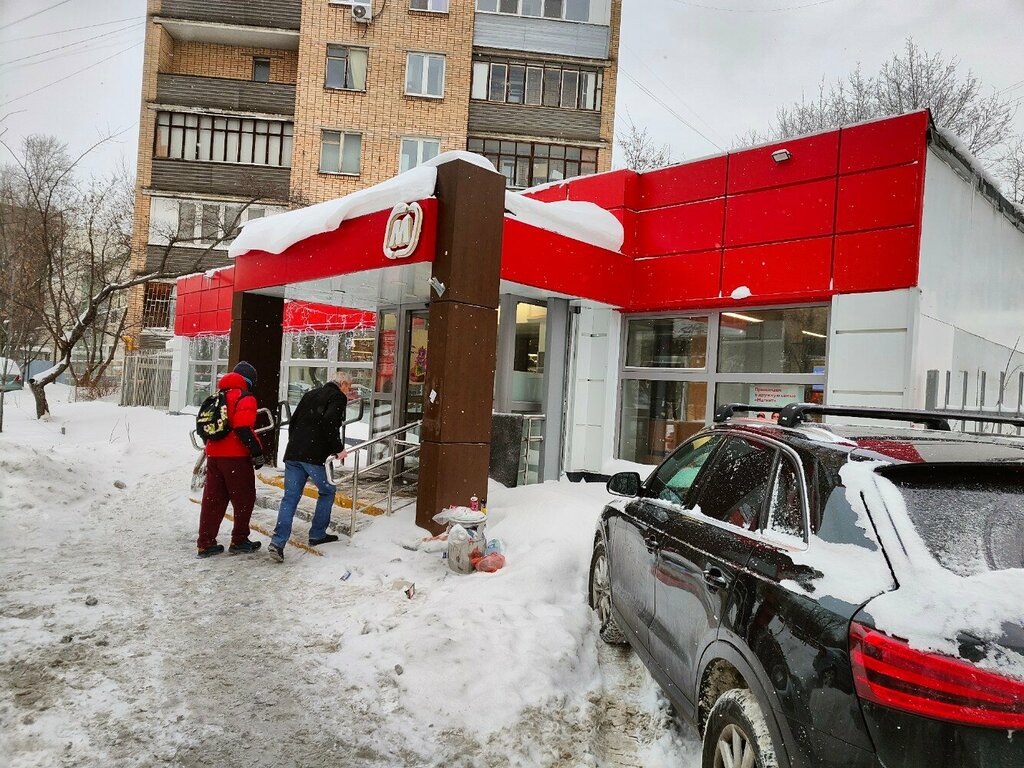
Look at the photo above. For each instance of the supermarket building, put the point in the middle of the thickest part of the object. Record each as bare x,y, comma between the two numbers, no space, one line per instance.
839,267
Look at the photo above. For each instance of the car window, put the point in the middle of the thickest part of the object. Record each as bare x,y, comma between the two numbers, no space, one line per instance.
674,478
737,484
785,509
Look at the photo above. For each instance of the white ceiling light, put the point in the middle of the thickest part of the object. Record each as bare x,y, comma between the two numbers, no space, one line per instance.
738,316
812,333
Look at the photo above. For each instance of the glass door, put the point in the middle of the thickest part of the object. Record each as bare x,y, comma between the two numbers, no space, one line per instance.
415,360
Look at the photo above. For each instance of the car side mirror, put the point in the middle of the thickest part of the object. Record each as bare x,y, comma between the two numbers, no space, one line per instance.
624,484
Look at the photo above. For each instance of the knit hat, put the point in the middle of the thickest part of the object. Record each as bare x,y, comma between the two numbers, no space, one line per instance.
247,372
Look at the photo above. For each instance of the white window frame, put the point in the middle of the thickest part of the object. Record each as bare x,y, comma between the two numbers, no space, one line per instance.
430,9
420,140
425,78
343,136
348,66
592,12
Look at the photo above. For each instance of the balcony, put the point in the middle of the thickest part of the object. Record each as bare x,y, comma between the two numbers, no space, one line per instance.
226,94
263,182
184,259
256,23
518,120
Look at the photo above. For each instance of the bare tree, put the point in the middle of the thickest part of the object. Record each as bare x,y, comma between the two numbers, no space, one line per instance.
1010,170
911,79
640,151
79,235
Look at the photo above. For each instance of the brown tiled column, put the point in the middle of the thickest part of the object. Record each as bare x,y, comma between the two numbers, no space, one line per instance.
256,333
459,390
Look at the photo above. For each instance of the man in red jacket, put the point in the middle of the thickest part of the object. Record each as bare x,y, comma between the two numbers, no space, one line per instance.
230,465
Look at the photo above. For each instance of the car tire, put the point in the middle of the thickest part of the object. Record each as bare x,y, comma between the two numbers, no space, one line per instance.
737,728
600,597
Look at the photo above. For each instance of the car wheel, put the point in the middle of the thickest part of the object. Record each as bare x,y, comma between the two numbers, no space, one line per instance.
737,734
601,597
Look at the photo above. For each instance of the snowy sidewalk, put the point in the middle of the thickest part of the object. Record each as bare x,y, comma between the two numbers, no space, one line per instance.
237,661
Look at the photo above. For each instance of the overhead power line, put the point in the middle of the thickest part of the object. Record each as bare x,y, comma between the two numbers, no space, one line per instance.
69,45
657,99
42,10
76,72
72,29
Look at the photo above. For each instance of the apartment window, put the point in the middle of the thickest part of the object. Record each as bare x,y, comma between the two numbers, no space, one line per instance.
424,75
437,6
568,10
261,69
676,370
550,86
417,151
346,68
157,306
186,136
340,152
194,223
526,164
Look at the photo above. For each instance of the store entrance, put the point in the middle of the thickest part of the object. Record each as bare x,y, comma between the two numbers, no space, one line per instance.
401,367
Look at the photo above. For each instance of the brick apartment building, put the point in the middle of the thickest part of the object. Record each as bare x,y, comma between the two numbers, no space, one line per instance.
295,101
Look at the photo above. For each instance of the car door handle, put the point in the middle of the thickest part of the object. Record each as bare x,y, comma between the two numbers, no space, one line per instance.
715,579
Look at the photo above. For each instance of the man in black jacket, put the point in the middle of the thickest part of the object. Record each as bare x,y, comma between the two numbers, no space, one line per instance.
314,433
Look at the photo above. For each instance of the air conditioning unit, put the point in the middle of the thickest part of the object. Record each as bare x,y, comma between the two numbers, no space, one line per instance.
362,11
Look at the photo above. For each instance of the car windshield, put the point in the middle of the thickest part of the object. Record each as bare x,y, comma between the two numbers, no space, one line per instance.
971,518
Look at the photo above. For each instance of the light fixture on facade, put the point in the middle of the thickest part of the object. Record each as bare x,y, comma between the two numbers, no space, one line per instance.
744,318
438,286
812,333
781,155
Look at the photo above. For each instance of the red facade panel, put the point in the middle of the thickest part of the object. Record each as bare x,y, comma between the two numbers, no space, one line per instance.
891,197
616,189
551,194
876,261
814,157
224,321
668,282
881,143
801,267
787,213
208,299
699,180
680,228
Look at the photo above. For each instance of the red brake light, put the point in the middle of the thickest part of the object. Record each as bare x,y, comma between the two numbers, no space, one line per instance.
889,672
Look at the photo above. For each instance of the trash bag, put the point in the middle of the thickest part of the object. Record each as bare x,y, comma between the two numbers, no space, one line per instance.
490,563
460,515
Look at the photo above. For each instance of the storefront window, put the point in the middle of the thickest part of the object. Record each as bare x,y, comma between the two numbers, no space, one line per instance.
773,341
301,379
659,415
208,361
200,383
768,395
528,359
672,342
356,346
310,346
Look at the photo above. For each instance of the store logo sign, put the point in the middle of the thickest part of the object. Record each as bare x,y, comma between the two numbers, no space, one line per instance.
403,231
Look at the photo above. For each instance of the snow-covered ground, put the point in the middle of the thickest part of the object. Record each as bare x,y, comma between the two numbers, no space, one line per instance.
119,648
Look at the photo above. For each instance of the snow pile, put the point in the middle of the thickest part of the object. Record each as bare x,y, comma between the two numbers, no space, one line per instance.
586,222
933,605
743,292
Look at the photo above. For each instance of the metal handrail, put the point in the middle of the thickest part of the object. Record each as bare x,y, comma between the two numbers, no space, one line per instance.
332,466
528,440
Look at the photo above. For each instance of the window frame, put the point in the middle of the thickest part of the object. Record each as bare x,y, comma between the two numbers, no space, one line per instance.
709,374
447,7
543,12
539,152
771,534
540,69
425,76
419,149
260,60
343,134
348,67
185,133
647,485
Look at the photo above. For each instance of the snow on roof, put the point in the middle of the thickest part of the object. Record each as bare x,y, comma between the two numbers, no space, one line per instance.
586,222
960,151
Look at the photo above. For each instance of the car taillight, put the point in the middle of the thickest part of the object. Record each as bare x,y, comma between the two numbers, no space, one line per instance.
889,672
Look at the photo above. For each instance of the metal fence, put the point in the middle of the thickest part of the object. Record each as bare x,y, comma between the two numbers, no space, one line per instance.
962,392
146,379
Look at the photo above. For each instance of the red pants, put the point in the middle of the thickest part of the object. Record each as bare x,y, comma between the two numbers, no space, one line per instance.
227,479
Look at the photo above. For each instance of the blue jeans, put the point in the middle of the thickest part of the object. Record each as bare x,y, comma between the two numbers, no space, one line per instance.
295,474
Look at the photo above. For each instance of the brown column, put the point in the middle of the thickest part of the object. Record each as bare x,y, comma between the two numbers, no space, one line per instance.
459,387
256,333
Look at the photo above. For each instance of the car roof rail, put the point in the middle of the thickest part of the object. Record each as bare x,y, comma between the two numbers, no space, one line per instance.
725,412
796,413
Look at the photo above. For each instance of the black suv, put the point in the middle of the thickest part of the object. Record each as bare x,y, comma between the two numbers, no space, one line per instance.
811,595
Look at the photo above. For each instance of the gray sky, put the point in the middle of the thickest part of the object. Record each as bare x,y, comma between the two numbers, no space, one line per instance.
721,65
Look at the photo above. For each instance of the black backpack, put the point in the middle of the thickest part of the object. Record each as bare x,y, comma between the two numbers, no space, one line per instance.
212,421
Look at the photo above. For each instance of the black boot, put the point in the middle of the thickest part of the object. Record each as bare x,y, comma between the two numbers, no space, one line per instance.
210,551
327,539
244,547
